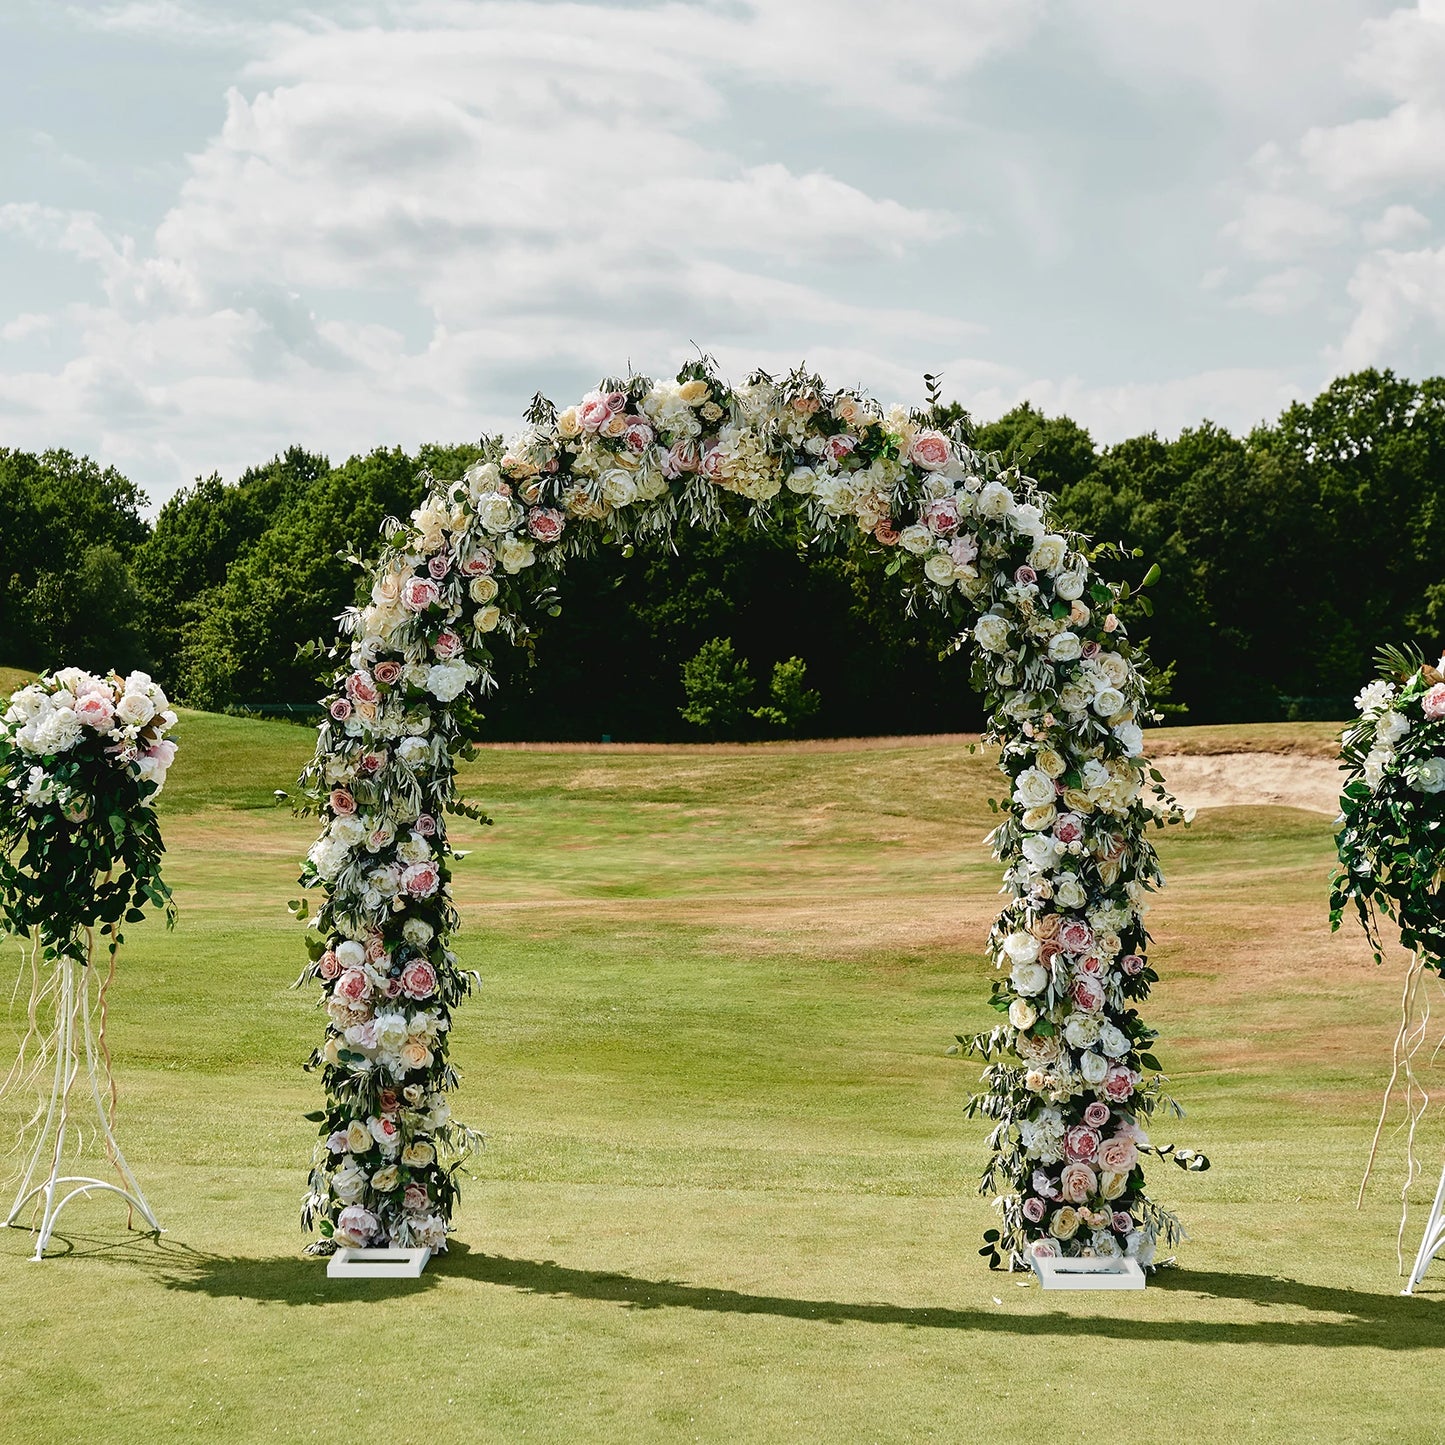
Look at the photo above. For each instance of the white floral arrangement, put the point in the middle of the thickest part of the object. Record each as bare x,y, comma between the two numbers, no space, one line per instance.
1391,838
82,759
1067,689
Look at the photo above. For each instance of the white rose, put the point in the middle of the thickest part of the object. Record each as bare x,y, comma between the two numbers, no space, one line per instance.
483,589
991,632
1428,775
1029,978
1069,893
619,489
916,539
350,954
1081,1031
939,569
485,619
514,555
1022,1015
1114,667
1065,647
1051,762
1069,586
417,932
1093,1067
134,709
1034,788
994,500
802,480
1113,1041
1108,701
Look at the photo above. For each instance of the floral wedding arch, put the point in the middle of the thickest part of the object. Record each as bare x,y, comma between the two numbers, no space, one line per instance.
1072,1080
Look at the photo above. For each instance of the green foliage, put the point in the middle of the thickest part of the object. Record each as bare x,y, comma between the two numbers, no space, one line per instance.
718,685
793,701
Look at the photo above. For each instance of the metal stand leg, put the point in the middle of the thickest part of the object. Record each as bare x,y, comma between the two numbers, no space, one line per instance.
1434,1238
73,1023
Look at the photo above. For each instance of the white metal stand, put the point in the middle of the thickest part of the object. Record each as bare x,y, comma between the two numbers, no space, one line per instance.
74,1021
1434,1238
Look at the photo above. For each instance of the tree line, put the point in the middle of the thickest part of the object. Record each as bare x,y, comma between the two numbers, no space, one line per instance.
1288,555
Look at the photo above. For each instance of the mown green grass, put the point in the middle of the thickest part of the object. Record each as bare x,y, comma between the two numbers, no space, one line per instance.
728,1188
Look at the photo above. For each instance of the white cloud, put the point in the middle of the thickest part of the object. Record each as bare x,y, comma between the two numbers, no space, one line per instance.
1280,227
1397,293
1396,223
26,325
1280,292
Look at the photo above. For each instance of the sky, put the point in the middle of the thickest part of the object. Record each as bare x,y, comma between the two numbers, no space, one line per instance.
227,228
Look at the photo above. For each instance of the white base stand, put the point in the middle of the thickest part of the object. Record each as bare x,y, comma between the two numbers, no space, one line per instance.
73,1022
1434,1238
1088,1273
377,1263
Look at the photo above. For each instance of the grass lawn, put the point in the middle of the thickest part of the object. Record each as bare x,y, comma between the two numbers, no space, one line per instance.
728,1192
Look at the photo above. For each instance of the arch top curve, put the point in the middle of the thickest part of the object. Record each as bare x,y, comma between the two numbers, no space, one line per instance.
1068,1070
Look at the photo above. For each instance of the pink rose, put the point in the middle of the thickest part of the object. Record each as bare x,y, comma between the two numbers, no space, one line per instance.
439,565
887,533
340,708
426,825
1069,828
1090,650
1034,1209
546,523
1119,1083
421,880
414,1199
387,672
839,446
369,763
1076,1183
1118,1155
342,803
616,402
963,550
353,986
1096,1115
327,966
380,838
711,464
638,436
479,565
1049,950
448,644
805,405
419,979
375,947
1076,936
95,710
593,413
1433,703
1132,964
1081,1144
930,451
387,1101
419,593
1123,1223
1088,994
941,517
680,457
392,988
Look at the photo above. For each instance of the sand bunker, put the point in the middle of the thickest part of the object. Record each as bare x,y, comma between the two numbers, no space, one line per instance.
1224,780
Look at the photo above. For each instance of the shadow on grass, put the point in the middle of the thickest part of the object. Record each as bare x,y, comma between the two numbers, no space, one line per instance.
1362,1319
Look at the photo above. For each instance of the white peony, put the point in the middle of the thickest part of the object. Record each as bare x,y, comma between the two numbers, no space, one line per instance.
497,513
514,555
1069,586
1069,892
916,539
1113,1041
446,681
994,500
991,632
1081,1031
939,569
1048,553
1093,1067
1034,788
1108,701
1021,947
1029,978
1065,647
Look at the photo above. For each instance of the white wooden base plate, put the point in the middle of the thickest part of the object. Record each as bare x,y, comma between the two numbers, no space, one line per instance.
1088,1273
377,1263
